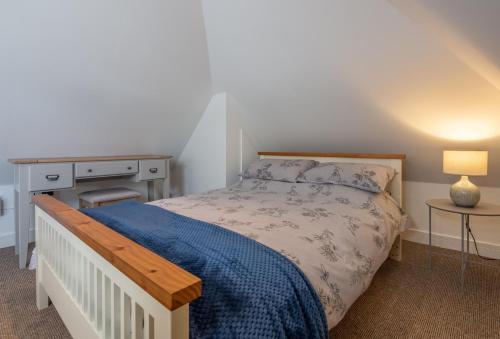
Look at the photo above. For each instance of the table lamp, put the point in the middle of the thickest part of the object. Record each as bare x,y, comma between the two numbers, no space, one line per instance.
464,163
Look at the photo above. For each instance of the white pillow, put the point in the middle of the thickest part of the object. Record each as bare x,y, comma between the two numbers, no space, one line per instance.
368,177
278,169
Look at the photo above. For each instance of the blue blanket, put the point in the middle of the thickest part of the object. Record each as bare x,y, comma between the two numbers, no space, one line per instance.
249,290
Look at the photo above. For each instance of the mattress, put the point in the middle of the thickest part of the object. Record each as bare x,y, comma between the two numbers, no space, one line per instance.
338,236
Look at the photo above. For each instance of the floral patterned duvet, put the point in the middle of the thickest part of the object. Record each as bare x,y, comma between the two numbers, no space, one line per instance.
338,235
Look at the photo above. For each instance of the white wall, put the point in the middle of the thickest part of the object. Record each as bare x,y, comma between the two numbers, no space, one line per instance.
202,163
100,77
214,153
363,76
242,148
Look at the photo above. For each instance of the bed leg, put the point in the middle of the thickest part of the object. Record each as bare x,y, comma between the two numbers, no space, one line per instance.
42,298
397,249
179,325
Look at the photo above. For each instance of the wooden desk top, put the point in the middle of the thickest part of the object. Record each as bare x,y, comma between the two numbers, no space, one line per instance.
87,159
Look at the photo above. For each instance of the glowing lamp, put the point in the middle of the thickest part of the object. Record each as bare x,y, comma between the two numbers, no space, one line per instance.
465,163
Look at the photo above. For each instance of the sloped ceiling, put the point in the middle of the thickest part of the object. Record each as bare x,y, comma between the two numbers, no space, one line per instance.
409,76
100,77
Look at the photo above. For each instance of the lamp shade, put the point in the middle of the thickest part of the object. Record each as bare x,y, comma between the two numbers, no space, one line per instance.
465,162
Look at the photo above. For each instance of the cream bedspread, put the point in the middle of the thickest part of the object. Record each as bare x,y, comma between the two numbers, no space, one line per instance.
339,236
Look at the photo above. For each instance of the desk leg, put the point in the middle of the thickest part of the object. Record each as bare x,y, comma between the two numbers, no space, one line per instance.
158,189
151,189
430,237
16,220
25,215
165,187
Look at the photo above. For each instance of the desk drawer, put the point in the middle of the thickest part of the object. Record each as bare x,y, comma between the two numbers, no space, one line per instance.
152,169
50,177
105,168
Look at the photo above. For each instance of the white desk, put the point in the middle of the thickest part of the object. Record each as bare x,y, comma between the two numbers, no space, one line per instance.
34,176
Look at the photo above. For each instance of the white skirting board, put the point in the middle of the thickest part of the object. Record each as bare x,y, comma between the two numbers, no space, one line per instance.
7,228
8,239
7,216
7,196
451,242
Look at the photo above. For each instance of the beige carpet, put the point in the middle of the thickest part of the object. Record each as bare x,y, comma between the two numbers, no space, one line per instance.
19,317
405,300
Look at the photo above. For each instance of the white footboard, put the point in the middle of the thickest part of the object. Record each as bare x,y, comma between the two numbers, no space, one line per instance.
93,297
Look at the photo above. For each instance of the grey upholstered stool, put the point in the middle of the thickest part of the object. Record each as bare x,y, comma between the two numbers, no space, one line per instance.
107,197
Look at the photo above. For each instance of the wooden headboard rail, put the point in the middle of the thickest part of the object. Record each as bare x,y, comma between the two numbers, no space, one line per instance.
172,286
334,155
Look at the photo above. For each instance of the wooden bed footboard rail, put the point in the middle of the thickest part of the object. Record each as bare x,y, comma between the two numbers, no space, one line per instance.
105,285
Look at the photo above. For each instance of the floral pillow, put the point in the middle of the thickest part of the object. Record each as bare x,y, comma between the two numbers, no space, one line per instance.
368,177
278,169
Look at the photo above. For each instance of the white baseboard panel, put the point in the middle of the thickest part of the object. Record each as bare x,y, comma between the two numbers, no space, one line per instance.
8,239
7,228
7,196
7,216
451,242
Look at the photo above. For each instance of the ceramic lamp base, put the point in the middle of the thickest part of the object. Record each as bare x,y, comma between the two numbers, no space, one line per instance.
464,193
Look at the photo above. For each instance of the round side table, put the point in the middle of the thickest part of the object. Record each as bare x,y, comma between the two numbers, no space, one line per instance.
483,209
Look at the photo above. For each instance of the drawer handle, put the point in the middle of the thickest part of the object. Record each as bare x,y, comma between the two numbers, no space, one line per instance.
89,170
52,177
129,168
153,170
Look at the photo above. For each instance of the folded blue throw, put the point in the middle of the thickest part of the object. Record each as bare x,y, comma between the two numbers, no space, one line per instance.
249,290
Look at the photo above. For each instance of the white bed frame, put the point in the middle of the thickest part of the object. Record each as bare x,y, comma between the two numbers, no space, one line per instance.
106,286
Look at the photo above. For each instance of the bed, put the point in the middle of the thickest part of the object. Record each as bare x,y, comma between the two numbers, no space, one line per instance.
105,285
